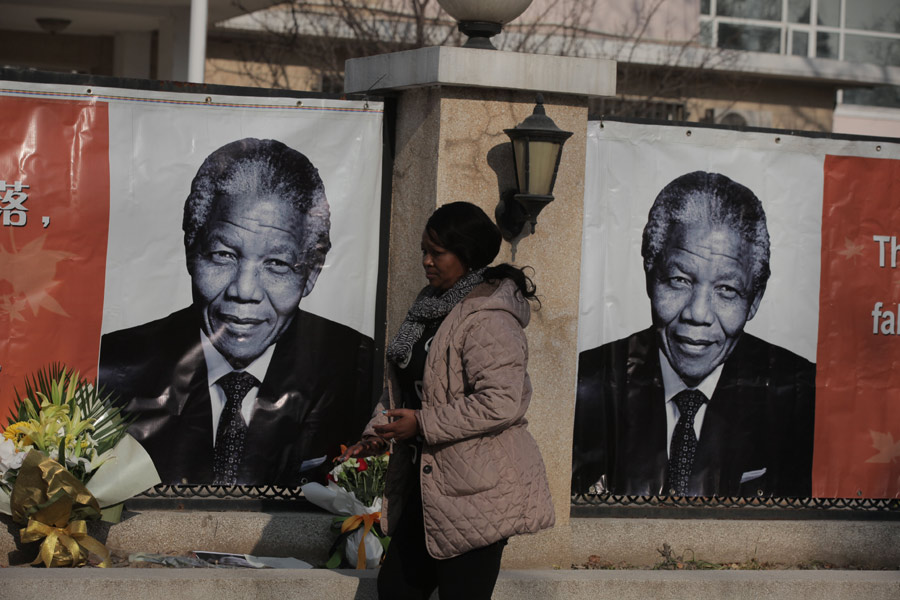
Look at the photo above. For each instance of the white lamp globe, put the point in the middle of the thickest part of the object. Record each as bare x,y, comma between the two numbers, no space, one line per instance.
482,19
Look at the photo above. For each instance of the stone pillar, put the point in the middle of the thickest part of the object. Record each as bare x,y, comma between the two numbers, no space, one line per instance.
453,105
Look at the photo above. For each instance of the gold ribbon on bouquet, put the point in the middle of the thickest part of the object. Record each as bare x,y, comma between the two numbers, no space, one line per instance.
53,504
63,546
366,521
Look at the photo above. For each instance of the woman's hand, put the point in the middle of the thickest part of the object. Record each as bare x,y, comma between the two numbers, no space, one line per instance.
363,449
403,426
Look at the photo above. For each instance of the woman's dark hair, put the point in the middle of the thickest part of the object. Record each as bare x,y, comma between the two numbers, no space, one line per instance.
466,231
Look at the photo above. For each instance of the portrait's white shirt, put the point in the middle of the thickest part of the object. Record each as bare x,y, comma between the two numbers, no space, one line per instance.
217,367
672,385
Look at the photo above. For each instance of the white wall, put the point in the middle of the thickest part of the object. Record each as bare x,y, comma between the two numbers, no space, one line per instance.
867,120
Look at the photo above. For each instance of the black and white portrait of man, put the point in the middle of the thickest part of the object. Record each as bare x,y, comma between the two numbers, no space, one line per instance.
693,405
243,386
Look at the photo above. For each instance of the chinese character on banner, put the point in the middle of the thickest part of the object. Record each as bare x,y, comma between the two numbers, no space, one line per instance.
12,203
51,278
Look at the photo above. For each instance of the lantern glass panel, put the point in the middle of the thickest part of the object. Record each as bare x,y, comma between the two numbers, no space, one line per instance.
543,157
520,153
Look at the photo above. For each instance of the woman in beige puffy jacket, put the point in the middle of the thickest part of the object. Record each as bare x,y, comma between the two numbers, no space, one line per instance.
465,475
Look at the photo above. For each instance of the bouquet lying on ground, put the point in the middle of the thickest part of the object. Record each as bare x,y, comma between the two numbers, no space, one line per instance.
354,491
64,458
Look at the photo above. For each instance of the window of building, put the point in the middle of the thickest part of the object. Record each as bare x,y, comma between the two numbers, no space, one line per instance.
828,45
753,38
768,10
799,43
853,30
636,109
880,95
799,11
828,12
874,15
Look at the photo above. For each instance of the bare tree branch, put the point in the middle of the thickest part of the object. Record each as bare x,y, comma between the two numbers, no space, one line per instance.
316,37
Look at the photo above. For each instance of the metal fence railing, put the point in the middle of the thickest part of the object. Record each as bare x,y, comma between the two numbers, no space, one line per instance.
885,506
592,504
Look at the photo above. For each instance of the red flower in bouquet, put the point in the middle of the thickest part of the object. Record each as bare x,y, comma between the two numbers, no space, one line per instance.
362,476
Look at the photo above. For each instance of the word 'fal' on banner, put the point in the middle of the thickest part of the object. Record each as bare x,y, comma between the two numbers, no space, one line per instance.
885,322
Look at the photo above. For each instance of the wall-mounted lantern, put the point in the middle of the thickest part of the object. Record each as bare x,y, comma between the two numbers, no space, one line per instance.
537,147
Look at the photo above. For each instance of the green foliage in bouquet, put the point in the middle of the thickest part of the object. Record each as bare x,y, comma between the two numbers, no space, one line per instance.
66,418
362,476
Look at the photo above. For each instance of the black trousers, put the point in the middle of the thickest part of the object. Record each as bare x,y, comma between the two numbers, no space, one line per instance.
410,573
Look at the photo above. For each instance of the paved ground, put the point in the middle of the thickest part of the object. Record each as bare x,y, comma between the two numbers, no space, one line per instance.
22,583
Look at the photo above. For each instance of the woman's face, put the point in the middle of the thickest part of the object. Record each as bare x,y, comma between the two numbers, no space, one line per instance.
442,267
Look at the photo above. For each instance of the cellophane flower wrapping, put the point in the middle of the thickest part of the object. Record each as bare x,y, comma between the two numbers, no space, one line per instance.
353,491
65,456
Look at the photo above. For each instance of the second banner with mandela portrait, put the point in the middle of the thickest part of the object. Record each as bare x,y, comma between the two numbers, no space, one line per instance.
737,314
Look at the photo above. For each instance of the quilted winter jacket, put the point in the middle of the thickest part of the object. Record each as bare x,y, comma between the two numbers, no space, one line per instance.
482,475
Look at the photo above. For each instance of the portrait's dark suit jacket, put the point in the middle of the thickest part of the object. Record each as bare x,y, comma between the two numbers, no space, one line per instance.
317,394
761,416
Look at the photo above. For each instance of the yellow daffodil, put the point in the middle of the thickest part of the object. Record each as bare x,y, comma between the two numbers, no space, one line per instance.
19,433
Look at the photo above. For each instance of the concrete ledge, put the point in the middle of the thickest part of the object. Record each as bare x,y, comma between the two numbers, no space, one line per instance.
223,584
304,535
871,544
470,67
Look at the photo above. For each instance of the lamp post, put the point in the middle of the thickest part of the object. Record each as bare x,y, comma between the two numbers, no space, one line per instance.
537,148
483,19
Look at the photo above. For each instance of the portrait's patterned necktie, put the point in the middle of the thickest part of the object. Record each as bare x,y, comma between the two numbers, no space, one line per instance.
231,433
684,442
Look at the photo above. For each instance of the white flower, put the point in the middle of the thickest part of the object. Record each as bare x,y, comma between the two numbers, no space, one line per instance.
9,457
79,460
350,463
98,460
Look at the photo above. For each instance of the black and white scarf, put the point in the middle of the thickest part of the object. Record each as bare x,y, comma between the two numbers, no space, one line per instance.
431,305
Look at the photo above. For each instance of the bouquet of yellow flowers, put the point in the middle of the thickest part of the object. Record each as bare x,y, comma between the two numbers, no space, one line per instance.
354,491
64,457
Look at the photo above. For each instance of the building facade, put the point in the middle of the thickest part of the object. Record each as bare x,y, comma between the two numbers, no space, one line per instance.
812,65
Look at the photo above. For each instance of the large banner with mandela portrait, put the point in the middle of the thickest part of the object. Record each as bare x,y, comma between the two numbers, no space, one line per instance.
213,260
739,317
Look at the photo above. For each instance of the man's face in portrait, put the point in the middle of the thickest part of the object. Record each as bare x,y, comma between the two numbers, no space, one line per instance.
701,296
249,274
